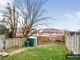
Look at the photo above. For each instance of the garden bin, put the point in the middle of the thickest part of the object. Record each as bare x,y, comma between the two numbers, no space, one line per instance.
32,41
26,43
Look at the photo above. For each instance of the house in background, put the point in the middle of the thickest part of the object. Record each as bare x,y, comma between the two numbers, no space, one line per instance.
53,31
50,32
47,32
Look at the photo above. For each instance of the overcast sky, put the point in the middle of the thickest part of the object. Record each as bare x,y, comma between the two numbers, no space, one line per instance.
3,3
66,13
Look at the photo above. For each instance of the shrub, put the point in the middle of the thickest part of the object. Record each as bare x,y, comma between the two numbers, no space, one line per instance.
7,34
40,38
2,29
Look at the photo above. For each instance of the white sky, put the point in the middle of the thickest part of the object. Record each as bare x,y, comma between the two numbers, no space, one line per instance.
4,2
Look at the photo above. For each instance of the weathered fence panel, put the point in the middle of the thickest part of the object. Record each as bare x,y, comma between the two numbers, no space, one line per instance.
14,42
73,43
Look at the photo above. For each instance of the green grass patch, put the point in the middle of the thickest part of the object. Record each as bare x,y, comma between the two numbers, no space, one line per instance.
12,48
51,52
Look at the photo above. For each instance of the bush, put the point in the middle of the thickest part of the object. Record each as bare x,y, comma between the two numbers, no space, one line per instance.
40,38
2,29
7,34
60,39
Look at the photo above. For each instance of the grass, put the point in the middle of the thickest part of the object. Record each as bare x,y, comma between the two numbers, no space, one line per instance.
51,52
12,48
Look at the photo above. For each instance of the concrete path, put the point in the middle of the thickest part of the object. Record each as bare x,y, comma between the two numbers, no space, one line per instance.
23,49
4,54
19,50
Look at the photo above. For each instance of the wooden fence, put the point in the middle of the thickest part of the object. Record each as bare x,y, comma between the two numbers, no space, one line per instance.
14,42
73,43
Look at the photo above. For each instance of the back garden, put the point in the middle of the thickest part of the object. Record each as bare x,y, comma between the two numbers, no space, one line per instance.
56,51
22,19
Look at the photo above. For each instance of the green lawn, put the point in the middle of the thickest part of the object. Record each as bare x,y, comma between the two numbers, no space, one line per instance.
51,52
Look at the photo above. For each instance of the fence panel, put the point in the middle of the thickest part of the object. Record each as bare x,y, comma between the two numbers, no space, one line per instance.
73,44
14,42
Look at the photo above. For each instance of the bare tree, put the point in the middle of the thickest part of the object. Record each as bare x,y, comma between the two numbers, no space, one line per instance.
31,13
10,17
